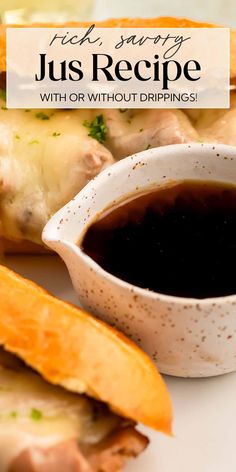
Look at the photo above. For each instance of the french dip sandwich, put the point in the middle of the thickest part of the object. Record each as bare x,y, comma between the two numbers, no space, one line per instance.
72,388
47,156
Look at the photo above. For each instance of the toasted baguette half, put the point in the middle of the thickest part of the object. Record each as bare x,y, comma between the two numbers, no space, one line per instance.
161,22
70,348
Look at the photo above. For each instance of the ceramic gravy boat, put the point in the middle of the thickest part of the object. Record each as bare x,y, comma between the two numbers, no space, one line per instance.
185,337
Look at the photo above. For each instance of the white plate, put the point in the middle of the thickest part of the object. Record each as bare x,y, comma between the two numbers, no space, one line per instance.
205,409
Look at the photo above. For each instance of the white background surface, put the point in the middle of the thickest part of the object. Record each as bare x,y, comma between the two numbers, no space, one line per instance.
204,409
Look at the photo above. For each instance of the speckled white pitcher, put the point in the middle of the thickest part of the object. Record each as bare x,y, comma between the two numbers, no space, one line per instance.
186,337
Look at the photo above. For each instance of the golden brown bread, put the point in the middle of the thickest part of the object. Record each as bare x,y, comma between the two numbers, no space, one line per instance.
161,22
70,348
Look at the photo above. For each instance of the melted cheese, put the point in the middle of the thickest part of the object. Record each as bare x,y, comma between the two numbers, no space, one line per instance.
46,157
35,413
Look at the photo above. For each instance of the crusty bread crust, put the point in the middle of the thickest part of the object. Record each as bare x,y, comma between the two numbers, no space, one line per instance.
161,22
69,347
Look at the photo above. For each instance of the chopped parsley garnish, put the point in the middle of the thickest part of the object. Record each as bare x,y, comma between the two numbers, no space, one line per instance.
97,128
3,94
42,116
55,134
34,141
36,415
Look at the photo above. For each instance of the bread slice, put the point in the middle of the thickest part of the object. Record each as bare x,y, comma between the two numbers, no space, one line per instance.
161,22
70,348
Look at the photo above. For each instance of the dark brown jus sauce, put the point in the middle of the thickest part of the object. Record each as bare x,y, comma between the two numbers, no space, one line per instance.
179,240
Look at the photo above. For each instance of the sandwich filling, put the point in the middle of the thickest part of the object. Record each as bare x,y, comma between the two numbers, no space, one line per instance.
45,428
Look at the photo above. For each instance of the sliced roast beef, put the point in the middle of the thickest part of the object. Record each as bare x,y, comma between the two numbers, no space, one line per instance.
107,456
132,131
